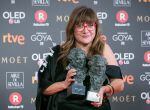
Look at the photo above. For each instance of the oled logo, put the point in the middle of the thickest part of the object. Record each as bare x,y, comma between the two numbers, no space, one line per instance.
102,16
15,99
145,38
40,2
122,18
40,17
13,39
146,59
37,57
122,37
145,77
122,3
123,99
14,17
42,38
14,80
69,1
124,58
146,96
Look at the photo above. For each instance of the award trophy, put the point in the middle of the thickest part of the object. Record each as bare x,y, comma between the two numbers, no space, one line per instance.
97,68
77,60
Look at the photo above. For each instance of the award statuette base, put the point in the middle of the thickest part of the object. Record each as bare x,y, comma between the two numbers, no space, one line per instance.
92,96
76,91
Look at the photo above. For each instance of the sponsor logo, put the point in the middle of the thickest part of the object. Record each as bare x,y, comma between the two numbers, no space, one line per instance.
12,1
122,3
13,39
129,79
40,17
145,77
122,37
62,18
62,36
124,58
146,59
42,37
13,60
14,17
32,100
122,18
40,2
102,16
14,80
145,38
15,99
146,96
95,2
35,78
124,99
37,57
143,19
144,1
69,1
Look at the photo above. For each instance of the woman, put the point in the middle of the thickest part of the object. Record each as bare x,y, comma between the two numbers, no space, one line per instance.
82,32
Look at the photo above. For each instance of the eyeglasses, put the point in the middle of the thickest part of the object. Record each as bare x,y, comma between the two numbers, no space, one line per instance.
81,26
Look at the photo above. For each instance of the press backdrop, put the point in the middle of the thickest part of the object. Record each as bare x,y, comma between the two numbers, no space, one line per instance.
29,28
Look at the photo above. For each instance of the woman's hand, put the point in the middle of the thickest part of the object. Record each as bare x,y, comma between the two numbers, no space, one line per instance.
69,77
102,91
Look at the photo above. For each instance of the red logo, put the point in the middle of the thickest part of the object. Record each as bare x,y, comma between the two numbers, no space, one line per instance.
122,16
147,57
15,98
40,16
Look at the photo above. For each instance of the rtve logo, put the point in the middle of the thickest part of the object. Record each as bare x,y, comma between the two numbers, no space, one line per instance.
71,1
16,39
129,79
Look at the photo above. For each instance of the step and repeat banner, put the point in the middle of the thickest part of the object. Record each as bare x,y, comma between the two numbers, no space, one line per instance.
29,28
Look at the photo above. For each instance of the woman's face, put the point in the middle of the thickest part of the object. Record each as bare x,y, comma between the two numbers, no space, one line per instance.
84,33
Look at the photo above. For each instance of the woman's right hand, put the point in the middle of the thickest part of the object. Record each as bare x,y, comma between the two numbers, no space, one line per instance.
69,77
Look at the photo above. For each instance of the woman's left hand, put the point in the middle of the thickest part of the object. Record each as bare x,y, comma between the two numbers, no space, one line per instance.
101,95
